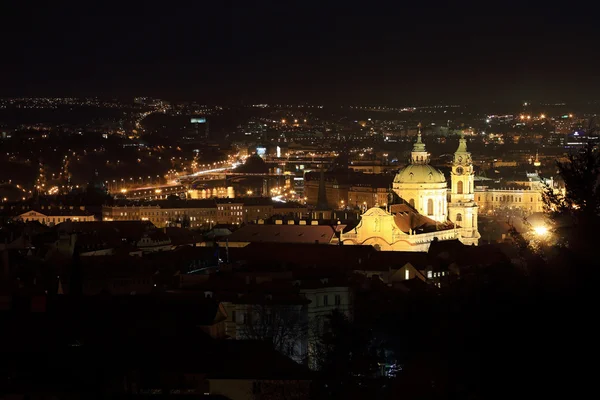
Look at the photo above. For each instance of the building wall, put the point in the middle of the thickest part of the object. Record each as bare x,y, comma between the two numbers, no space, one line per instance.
324,300
161,217
368,169
230,213
219,192
367,197
490,200
419,195
49,219
256,212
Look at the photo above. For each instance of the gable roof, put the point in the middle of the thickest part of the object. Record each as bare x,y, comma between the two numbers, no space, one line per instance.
407,218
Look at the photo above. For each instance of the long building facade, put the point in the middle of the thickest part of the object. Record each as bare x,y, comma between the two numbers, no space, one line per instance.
202,213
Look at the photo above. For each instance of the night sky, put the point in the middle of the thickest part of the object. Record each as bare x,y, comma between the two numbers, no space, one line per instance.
341,52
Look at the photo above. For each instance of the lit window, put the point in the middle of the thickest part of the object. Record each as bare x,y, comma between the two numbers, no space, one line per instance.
429,274
406,274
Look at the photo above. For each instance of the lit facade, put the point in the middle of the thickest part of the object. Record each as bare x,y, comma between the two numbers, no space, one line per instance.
423,186
462,209
527,200
55,215
429,211
200,213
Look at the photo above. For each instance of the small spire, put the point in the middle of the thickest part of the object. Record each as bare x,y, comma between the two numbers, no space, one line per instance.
419,145
462,144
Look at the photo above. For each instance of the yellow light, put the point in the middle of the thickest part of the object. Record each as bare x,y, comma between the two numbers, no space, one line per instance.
529,117
123,190
540,230
543,116
283,121
570,115
522,117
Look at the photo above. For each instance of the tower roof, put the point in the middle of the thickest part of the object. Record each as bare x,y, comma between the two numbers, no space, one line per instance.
419,146
462,145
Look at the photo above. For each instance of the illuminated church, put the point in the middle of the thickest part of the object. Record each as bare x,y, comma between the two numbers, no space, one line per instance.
420,208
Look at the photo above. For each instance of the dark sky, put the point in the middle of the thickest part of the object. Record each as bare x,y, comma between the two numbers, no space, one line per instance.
327,51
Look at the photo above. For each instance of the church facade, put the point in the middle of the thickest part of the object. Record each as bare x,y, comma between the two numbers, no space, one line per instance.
423,210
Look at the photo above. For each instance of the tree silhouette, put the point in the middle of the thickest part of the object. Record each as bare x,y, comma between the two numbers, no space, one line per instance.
575,213
284,326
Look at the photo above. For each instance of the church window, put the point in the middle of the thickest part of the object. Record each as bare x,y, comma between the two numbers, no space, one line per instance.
430,207
459,217
412,203
459,187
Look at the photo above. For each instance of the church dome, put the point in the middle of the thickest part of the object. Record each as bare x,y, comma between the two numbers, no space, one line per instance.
419,170
419,173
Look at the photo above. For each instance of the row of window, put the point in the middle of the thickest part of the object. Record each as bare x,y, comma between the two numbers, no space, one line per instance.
431,274
337,300
509,198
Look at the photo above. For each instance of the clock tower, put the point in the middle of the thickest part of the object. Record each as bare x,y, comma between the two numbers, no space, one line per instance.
462,210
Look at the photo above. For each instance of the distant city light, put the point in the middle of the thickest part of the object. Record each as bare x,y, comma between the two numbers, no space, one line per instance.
540,230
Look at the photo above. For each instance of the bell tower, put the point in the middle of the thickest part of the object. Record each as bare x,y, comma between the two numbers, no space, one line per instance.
462,210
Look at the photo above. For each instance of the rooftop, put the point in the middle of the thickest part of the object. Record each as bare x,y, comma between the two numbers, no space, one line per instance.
322,234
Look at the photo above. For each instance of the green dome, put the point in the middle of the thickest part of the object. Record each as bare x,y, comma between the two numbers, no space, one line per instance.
419,173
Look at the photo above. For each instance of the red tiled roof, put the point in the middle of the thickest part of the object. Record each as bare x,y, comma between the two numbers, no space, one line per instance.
329,256
406,218
283,234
